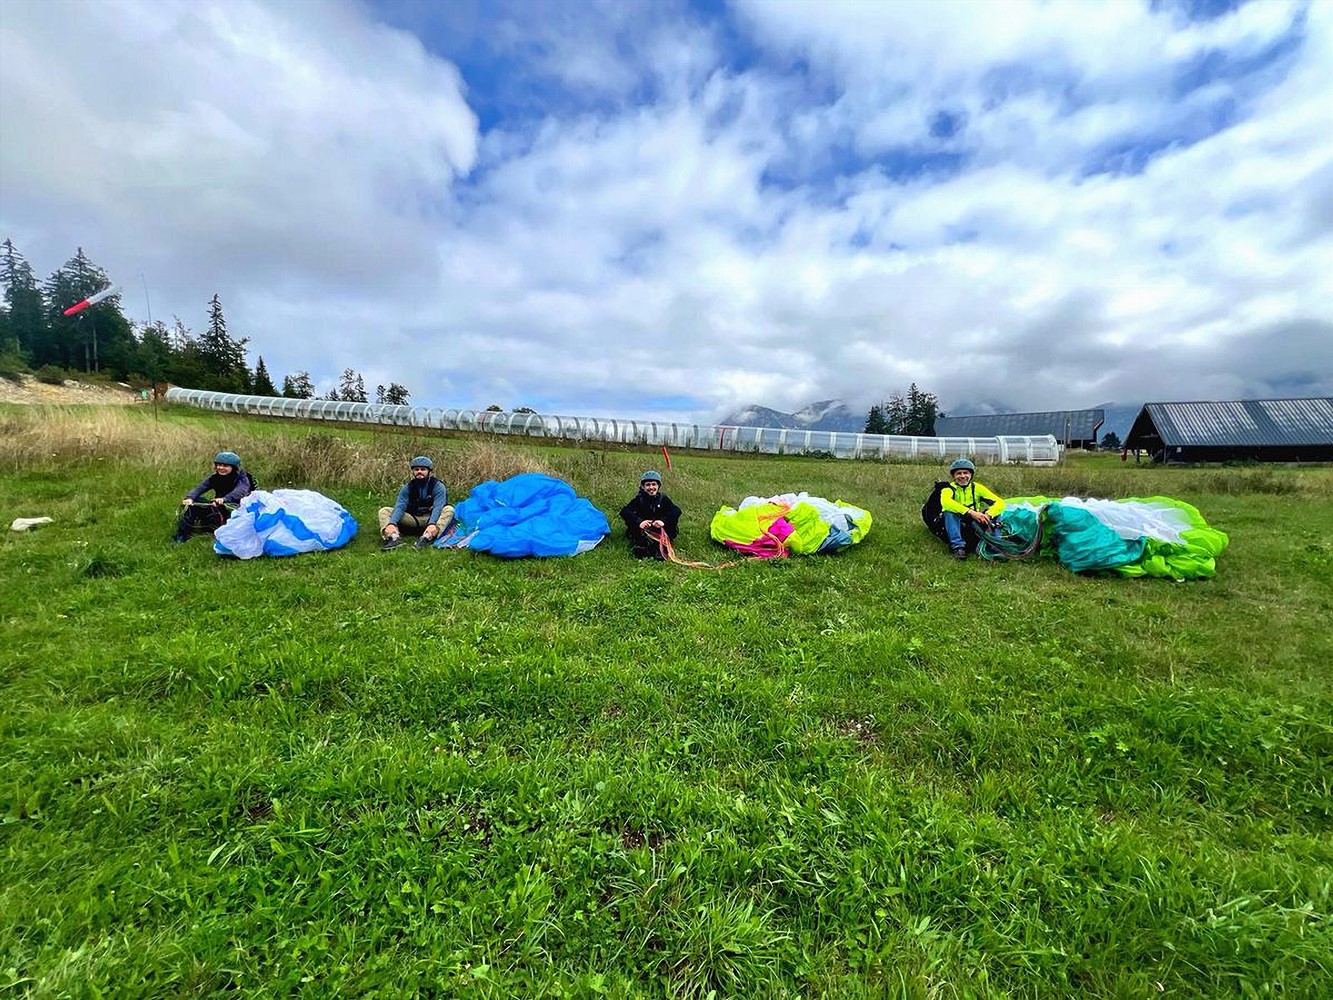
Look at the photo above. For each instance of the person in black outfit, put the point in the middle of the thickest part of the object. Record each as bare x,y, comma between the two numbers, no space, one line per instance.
648,515
229,484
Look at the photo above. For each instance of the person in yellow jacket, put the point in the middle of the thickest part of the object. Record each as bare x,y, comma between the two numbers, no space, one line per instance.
969,508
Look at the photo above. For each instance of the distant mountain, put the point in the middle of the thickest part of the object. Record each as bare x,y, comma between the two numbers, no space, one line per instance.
825,415
836,415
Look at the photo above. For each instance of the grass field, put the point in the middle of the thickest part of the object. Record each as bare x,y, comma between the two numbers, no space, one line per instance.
880,774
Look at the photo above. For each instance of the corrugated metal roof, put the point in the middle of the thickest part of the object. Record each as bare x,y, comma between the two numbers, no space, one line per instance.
1262,422
1077,425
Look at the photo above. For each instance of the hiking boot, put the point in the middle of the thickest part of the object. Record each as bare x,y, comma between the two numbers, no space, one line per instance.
391,543
423,543
960,554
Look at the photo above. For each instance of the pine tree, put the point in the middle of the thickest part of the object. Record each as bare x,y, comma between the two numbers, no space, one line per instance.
26,312
351,387
922,408
188,367
98,337
223,356
262,384
895,414
1110,441
298,386
875,422
396,395
154,358
379,393
913,414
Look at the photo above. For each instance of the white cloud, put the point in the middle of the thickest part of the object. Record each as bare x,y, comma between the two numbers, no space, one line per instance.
228,146
675,227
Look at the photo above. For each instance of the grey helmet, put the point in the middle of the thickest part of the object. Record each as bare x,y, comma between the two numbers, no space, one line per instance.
422,462
227,458
651,477
962,463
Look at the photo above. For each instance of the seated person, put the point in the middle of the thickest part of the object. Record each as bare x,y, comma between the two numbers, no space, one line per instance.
968,508
419,510
229,484
649,515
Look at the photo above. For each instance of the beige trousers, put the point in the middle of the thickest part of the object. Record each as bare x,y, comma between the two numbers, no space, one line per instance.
410,524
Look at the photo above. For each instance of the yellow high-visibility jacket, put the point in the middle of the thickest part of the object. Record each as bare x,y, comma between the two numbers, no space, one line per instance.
960,500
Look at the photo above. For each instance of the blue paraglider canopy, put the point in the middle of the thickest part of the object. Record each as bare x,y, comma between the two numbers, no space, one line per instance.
527,515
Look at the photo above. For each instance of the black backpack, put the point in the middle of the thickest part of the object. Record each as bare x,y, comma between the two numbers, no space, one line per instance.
932,514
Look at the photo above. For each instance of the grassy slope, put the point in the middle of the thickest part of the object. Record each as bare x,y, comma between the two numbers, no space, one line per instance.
879,774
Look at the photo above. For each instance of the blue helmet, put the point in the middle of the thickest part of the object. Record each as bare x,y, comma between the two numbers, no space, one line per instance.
422,462
962,463
227,458
651,477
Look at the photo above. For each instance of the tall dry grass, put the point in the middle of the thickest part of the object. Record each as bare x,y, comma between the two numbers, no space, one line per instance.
41,437
48,437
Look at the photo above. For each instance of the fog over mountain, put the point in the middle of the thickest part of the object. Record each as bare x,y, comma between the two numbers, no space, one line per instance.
824,415
837,415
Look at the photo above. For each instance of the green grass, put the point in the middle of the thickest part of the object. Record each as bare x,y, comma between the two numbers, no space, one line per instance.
879,774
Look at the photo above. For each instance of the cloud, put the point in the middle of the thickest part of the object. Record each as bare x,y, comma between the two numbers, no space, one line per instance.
230,146
650,210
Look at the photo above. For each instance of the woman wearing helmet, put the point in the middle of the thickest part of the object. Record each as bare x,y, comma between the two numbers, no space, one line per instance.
229,484
421,509
968,508
648,516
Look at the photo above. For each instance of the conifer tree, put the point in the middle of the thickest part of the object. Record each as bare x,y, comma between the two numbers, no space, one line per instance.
154,358
351,387
25,315
223,356
298,386
875,422
99,337
262,385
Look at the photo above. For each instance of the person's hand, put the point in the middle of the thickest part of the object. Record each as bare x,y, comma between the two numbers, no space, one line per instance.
218,502
187,502
659,524
430,532
645,525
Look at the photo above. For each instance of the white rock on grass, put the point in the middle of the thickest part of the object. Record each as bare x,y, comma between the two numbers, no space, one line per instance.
24,523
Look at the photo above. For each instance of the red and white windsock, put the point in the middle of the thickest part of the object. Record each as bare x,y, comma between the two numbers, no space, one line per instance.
92,300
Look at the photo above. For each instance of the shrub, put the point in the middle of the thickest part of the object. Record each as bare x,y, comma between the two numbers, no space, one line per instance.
51,375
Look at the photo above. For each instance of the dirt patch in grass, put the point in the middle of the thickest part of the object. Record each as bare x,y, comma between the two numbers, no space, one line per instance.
632,839
29,391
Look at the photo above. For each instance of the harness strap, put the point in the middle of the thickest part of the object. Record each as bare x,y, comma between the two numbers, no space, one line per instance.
1003,546
780,547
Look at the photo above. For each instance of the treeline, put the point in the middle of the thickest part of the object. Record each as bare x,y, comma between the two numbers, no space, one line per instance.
36,336
913,414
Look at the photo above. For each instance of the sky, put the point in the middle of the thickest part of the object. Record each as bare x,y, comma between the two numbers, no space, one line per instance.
673,209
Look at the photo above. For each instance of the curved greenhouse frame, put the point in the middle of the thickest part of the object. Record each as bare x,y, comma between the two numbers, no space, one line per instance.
1026,449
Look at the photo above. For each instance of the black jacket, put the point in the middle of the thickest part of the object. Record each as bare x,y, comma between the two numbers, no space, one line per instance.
646,508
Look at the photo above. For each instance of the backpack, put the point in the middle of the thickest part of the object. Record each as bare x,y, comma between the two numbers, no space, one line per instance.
932,514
